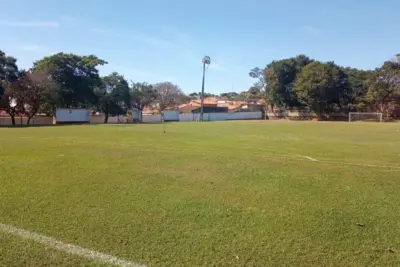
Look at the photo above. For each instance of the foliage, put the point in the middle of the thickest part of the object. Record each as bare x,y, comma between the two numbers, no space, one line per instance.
195,95
258,74
229,95
384,88
76,75
354,95
113,95
73,81
168,95
320,86
142,95
280,77
12,98
35,87
8,71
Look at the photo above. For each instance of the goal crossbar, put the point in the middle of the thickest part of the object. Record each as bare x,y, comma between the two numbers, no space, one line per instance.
365,116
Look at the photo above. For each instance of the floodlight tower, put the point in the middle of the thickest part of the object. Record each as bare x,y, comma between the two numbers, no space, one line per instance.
206,61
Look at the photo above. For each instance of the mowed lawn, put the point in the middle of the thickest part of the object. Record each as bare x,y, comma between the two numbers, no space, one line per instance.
204,194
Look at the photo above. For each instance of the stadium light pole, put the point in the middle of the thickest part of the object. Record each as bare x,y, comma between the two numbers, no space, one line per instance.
206,61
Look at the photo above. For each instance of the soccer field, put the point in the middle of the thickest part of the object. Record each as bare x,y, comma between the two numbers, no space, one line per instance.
203,194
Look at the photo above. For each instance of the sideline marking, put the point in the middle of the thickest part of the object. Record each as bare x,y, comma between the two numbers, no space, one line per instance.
310,158
68,248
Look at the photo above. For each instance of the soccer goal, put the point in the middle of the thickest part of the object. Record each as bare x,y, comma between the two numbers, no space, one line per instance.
365,116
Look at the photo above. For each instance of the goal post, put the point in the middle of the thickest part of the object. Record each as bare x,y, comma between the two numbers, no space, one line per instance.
365,116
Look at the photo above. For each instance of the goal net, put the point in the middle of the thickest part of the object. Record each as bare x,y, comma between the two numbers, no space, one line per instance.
364,116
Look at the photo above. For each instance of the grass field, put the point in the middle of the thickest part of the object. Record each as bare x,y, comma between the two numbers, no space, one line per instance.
213,194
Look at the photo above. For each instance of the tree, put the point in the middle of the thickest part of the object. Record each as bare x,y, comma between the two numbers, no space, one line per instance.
168,95
257,73
384,88
76,75
33,87
113,95
12,98
320,86
354,96
280,77
230,95
142,95
8,71
194,95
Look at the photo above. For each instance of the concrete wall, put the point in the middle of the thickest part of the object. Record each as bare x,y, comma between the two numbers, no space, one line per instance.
233,116
188,117
210,116
38,120
151,118
111,120
287,114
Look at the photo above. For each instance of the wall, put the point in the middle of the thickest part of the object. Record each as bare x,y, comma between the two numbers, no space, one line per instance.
64,115
151,118
287,114
99,119
38,120
188,117
233,116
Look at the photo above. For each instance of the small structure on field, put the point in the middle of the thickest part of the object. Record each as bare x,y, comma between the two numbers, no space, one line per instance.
72,116
171,115
133,115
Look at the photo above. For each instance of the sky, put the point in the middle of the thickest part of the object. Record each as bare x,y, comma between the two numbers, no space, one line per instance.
165,40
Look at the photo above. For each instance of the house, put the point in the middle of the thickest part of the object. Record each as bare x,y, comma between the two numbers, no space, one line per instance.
196,104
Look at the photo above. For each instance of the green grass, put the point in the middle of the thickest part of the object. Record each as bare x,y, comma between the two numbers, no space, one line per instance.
223,193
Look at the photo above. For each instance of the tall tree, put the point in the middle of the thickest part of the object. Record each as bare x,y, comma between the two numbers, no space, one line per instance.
384,88
320,87
113,95
280,77
12,98
258,74
33,87
354,95
142,95
8,71
168,95
76,75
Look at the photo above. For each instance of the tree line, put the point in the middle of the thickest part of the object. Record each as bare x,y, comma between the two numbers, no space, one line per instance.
326,88
72,81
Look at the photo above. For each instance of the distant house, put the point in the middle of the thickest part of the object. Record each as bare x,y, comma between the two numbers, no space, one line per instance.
196,104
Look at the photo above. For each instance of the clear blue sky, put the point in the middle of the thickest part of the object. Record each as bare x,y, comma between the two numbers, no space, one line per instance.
158,40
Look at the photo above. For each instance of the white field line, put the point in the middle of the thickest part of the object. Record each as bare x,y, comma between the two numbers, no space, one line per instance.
68,248
309,158
361,164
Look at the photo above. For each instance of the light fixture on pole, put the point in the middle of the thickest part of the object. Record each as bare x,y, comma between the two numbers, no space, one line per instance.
206,61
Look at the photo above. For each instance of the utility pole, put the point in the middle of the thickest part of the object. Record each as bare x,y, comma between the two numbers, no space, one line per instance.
206,61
